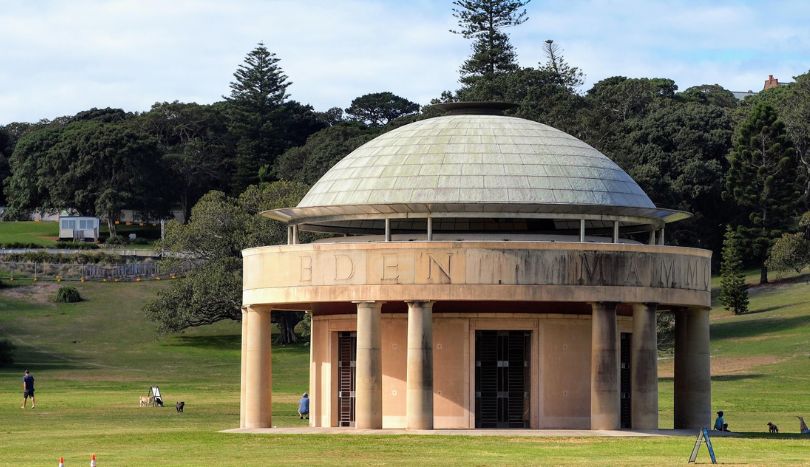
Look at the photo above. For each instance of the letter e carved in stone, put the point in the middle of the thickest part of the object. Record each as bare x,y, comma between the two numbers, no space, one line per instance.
305,273
390,272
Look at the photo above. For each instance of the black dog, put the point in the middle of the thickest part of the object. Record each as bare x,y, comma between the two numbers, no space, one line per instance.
179,406
773,428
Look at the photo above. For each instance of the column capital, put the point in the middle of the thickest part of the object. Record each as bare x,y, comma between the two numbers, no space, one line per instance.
429,303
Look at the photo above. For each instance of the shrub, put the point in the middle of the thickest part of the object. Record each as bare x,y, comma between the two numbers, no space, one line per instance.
17,245
6,353
115,240
67,294
139,241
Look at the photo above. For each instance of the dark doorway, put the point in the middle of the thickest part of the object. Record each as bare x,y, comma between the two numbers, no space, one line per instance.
347,363
624,377
502,379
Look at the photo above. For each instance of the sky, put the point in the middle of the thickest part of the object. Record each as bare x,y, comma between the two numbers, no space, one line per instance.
61,57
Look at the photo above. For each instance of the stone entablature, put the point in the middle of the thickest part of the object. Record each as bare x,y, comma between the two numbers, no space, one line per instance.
477,271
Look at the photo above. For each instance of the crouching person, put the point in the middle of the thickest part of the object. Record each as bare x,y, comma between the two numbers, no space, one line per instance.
303,407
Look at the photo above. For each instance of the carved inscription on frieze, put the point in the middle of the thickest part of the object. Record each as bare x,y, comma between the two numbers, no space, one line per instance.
471,266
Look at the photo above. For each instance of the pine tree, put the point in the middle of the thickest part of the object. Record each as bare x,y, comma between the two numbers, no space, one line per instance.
257,93
764,180
484,21
733,291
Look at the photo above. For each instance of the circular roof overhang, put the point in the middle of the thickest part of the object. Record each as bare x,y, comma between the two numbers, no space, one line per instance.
337,218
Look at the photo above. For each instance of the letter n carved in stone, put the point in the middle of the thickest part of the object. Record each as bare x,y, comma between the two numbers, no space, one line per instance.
439,269
305,272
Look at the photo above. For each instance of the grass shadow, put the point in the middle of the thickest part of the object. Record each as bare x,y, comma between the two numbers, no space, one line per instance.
751,328
772,308
718,378
221,342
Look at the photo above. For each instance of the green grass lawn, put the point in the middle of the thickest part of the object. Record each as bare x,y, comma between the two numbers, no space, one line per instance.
92,360
41,233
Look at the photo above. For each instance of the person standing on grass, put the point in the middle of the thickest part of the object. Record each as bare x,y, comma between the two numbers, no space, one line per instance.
303,407
28,389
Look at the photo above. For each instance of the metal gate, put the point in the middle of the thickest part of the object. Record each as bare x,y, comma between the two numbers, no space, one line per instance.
502,380
347,363
624,380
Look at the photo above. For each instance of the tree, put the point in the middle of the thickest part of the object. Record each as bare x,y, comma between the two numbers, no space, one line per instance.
322,150
565,75
196,147
219,229
764,181
792,250
257,93
89,166
712,94
379,108
796,115
733,291
27,189
483,21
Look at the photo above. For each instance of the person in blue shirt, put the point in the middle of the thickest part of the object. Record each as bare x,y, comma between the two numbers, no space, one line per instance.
28,389
720,424
303,407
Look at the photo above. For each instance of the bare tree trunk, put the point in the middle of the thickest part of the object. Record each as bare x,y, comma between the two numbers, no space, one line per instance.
763,274
286,321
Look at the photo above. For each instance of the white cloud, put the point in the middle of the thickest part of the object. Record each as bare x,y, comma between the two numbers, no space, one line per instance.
59,58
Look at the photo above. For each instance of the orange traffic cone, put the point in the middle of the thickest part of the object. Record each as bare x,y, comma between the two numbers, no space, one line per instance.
61,462
93,461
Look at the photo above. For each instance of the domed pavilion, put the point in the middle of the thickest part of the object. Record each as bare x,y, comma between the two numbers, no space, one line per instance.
480,271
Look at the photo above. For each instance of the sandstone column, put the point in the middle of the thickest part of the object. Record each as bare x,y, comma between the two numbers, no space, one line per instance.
693,385
604,368
258,370
243,384
644,368
368,390
419,375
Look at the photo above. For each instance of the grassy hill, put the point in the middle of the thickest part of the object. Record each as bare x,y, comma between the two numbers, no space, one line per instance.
92,361
40,233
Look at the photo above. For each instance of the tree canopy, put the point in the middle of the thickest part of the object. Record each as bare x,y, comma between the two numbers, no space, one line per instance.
764,181
484,22
219,229
378,108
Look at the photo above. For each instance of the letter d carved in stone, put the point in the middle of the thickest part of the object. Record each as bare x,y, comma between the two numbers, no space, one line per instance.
344,267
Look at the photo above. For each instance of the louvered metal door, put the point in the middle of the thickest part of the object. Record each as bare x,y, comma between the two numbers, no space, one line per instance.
502,379
347,357
624,384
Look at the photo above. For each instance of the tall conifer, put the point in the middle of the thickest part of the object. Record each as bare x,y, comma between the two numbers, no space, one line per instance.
764,180
484,22
257,93
733,291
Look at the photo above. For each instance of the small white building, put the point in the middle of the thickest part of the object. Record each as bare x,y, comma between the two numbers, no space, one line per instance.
78,228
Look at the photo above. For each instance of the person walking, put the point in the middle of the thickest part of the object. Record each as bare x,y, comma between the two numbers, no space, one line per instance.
28,389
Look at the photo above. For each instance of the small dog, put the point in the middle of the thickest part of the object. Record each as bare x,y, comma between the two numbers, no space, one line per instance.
144,401
773,428
179,406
